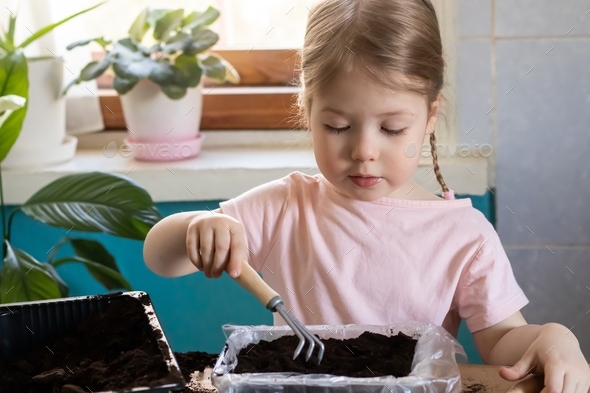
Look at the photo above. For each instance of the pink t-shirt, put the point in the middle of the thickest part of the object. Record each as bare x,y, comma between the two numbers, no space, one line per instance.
336,260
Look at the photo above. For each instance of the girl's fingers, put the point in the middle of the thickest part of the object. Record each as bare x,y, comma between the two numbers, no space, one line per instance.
192,249
207,242
554,378
569,383
238,253
222,244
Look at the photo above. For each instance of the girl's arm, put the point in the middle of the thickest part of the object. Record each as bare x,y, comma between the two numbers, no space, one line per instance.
550,349
164,249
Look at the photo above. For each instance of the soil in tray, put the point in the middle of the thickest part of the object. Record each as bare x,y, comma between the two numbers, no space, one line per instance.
106,351
369,355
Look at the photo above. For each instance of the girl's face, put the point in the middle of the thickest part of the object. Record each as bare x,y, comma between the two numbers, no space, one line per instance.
361,128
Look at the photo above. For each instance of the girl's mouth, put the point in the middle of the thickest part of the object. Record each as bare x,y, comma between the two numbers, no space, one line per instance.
365,182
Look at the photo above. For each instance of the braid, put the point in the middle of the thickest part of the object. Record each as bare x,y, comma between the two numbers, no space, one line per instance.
439,177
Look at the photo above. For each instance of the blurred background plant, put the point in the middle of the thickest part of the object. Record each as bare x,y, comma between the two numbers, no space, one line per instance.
88,202
171,56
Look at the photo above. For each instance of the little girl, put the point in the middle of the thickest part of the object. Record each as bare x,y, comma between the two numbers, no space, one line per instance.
361,242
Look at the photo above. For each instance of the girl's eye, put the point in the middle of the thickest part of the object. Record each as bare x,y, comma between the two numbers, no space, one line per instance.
396,132
335,130
387,131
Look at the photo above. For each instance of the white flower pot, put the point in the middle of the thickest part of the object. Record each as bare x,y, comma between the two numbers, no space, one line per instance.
160,128
42,140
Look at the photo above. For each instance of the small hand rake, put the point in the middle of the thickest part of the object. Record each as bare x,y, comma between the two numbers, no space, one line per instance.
252,282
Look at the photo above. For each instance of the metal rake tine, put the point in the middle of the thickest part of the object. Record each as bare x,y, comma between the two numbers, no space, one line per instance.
313,340
252,282
281,310
300,329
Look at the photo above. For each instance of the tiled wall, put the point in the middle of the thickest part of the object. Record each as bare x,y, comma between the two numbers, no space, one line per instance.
524,86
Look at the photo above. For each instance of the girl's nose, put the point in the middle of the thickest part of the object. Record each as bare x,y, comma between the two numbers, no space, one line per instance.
365,147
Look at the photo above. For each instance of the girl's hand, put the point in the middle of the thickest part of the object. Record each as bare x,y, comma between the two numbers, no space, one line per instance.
556,354
216,243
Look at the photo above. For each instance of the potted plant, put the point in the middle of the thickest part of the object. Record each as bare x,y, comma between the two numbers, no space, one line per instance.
159,78
43,138
91,202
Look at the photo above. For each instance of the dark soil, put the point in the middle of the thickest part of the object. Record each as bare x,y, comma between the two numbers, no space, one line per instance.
474,388
369,355
106,351
194,361
190,362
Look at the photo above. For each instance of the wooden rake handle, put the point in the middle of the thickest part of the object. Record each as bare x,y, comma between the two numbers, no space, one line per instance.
254,284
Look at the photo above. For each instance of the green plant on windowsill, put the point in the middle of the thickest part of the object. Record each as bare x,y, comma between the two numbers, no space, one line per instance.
173,56
15,75
88,202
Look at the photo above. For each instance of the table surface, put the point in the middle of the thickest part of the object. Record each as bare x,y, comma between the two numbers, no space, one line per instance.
478,378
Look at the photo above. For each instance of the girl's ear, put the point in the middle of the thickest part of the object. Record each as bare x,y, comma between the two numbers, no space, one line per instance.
433,116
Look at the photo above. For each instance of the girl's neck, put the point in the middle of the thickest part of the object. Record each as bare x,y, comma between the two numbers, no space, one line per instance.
413,191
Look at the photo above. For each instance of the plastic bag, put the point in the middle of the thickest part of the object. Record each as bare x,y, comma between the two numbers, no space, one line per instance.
434,368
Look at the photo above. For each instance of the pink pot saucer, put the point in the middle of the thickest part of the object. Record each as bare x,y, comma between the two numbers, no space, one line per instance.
165,150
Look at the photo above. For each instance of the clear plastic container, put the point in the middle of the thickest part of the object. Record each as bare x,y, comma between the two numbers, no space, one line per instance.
434,367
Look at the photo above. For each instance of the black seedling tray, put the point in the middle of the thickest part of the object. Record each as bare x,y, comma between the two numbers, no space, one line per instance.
29,325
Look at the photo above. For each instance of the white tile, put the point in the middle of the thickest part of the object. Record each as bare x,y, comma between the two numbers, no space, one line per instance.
543,103
542,18
475,91
556,284
475,18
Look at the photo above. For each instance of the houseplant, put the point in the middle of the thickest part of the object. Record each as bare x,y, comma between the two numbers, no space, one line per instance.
91,202
43,138
159,78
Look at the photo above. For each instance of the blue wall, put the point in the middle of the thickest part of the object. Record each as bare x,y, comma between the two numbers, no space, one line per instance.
192,308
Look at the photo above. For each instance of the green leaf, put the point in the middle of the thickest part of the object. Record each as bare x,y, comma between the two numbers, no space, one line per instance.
156,14
63,287
10,33
14,79
8,104
106,271
94,69
169,22
26,279
203,40
134,68
94,202
148,51
126,43
198,20
165,74
47,29
123,85
179,42
3,45
140,26
99,40
189,65
213,67
174,92
94,251
130,63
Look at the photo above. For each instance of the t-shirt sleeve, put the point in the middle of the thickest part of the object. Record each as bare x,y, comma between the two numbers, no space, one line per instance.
488,292
261,211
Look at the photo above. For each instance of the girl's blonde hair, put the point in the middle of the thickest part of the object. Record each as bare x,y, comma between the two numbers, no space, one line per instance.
384,38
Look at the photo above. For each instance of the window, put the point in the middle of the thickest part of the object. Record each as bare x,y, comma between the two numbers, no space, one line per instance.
257,37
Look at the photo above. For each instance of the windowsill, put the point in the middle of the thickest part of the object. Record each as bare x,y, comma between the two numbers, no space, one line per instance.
221,172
